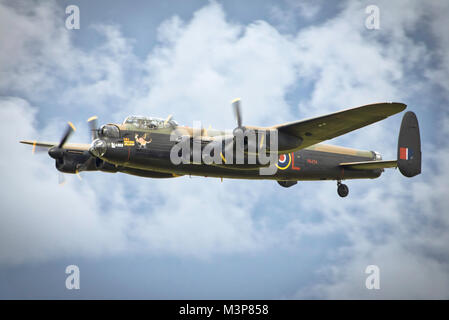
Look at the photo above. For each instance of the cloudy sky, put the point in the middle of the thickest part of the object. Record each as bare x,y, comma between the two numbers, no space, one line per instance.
197,237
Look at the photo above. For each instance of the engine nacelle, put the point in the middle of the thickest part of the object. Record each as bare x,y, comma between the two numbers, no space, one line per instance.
66,165
70,162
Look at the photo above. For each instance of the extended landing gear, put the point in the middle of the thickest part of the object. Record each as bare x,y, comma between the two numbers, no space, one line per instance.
342,189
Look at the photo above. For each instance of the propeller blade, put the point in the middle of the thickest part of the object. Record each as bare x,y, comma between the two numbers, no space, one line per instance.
237,111
61,178
78,174
168,119
70,129
93,126
38,149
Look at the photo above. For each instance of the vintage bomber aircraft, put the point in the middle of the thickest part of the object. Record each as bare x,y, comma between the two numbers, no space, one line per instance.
141,146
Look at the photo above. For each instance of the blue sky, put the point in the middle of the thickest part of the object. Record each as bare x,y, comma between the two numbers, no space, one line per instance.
197,237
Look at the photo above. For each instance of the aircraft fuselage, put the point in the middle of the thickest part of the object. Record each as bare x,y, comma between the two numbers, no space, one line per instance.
317,162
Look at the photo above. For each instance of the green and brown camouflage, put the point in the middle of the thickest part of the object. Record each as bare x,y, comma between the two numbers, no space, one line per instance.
141,146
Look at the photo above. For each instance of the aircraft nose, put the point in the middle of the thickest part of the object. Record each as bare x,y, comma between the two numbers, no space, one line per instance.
98,148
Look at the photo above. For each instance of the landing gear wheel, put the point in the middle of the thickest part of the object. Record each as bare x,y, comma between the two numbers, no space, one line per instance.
342,190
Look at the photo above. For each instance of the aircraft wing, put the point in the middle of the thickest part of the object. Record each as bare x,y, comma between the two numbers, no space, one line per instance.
370,165
68,146
315,130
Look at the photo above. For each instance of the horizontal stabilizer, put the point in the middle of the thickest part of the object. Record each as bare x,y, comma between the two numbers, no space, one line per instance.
370,165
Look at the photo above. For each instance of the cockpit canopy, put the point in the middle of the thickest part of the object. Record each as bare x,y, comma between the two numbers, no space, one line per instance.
150,122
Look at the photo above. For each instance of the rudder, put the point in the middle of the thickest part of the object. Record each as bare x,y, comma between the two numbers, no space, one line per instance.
409,146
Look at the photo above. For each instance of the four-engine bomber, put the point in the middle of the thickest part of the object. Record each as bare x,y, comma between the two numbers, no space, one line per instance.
144,146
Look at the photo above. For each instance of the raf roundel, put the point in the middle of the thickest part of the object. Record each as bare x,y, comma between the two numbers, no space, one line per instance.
284,161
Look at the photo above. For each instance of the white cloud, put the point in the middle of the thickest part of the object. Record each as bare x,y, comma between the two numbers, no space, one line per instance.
438,11
213,61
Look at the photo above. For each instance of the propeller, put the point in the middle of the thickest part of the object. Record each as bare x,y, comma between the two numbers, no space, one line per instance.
68,132
239,131
228,143
93,126
237,112
61,178
57,152
94,130
170,116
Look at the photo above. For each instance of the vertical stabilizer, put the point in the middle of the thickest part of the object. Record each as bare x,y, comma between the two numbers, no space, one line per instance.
409,146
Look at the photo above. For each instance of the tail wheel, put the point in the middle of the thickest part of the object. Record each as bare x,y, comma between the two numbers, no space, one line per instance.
342,190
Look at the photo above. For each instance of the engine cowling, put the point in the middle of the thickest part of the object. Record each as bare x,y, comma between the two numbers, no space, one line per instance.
71,162
66,165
